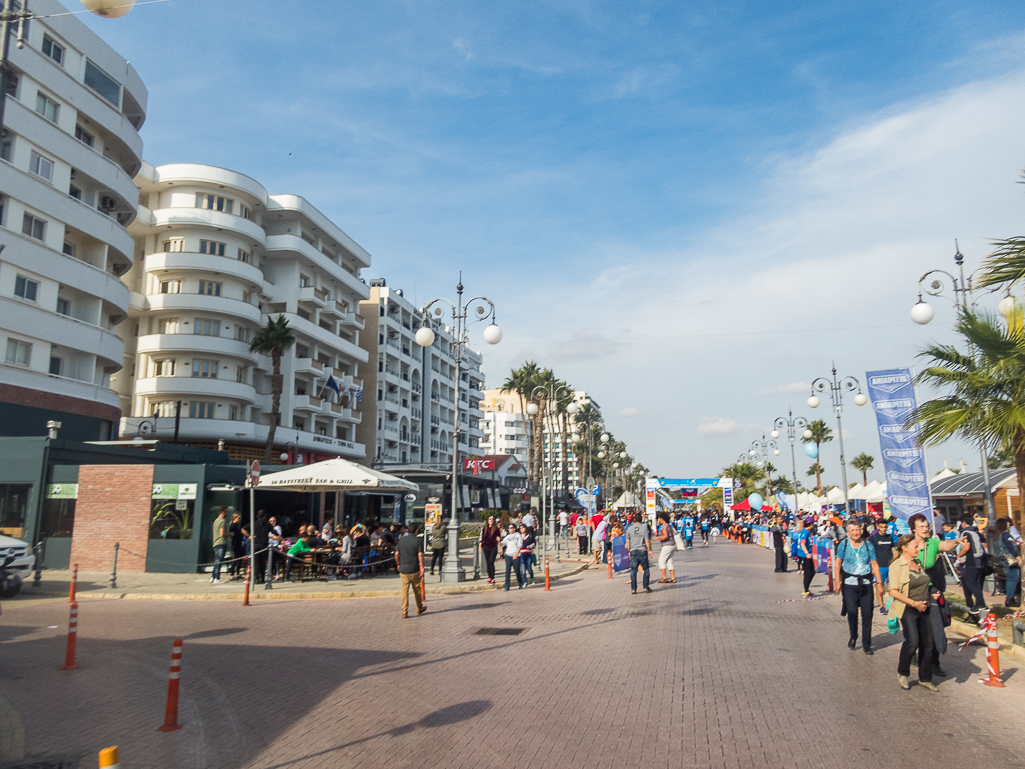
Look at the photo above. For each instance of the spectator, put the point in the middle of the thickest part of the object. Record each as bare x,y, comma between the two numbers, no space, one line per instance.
238,547
222,541
511,544
580,529
856,569
779,533
972,555
1009,553
667,541
490,534
527,553
409,559
437,546
638,541
883,542
909,587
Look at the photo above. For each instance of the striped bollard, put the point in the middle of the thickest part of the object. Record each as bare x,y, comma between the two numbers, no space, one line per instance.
171,710
548,583
69,654
74,583
245,600
992,653
110,758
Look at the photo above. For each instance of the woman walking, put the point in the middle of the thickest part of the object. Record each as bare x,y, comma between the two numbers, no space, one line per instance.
909,587
437,545
527,553
802,540
511,544
667,539
488,545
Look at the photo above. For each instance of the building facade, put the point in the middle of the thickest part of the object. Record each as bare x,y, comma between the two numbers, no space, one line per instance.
410,391
70,147
216,257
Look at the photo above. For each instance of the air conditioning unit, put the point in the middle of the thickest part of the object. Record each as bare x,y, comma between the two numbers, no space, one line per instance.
107,204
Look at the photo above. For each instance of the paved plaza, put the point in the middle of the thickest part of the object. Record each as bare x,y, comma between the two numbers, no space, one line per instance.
710,672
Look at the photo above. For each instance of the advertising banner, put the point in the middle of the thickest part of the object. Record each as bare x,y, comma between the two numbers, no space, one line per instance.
620,555
892,394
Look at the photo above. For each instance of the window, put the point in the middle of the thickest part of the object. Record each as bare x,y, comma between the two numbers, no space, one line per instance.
299,424
243,256
304,281
241,334
240,374
170,287
209,288
56,365
13,507
83,136
233,412
47,107
25,288
103,84
245,297
174,245
6,144
167,326
63,306
163,408
212,247
164,367
201,410
74,192
18,352
53,49
205,369
69,249
214,202
12,86
244,212
207,327
33,227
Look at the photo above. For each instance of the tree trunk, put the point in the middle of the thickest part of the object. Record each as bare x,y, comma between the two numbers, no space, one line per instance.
864,477
1019,471
818,475
276,385
565,450
539,443
530,447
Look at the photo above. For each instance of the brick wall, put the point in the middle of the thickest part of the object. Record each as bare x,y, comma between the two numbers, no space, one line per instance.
113,506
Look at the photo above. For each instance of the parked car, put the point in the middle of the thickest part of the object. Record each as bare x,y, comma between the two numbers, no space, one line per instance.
18,561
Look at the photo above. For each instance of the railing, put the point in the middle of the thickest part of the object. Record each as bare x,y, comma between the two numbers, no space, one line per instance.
391,399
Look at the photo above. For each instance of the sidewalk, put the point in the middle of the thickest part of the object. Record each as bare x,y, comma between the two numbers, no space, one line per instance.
161,586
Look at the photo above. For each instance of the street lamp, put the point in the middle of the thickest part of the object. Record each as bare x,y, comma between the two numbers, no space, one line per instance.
792,425
836,388
549,395
943,283
761,448
482,309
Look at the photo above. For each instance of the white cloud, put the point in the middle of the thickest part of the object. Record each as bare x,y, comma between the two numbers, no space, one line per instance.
713,425
463,47
630,411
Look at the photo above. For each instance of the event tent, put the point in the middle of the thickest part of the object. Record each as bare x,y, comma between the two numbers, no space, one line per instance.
336,475
627,499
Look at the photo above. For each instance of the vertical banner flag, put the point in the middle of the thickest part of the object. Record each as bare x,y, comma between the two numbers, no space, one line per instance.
907,485
727,496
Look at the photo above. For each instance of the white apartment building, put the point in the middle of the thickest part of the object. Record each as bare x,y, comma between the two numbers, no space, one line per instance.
70,147
410,394
216,256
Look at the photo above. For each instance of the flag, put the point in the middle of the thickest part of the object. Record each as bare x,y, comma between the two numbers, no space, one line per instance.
333,385
359,395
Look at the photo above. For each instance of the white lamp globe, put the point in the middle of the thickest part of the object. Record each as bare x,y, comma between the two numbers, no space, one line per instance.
572,408
860,399
776,452
921,313
813,402
615,465
492,334
807,435
760,463
604,437
774,433
137,439
622,455
601,455
751,453
424,336
109,9
1009,306
532,408
284,456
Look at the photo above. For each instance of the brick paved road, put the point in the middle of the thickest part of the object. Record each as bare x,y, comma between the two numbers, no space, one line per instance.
710,672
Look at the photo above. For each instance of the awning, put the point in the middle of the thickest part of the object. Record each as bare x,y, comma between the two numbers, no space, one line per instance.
970,484
335,475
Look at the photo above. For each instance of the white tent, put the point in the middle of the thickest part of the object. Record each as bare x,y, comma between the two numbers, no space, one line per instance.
946,472
628,499
857,491
835,496
878,494
335,475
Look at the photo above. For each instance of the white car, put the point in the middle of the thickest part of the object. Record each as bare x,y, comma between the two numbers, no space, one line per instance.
23,563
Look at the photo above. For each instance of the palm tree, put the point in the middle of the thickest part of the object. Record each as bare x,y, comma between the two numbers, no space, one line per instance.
541,384
769,470
520,381
748,473
273,339
863,462
820,434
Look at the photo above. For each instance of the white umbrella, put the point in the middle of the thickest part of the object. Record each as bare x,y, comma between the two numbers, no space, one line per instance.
335,475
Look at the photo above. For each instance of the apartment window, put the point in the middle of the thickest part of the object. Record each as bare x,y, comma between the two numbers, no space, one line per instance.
6,144
163,408
40,166
240,374
75,192
33,227
103,84
12,86
207,327
201,410
174,245
209,288
83,136
164,367
47,107
243,256
214,202
53,49
233,412
241,334
18,352
63,306
304,281
56,365
212,247
170,287
25,288
245,297
167,326
205,369
244,211
299,424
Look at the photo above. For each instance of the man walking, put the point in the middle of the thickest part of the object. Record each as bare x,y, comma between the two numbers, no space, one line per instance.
638,542
883,542
409,558
779,531
855,566
222,541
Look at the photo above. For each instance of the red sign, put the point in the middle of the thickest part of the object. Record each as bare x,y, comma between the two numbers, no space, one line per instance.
478,464
254,472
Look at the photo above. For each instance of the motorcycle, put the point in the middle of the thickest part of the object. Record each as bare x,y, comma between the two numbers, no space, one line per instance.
10,579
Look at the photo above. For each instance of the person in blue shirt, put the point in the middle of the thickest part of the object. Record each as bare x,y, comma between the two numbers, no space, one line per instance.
800,548
855,566
688,532
706,526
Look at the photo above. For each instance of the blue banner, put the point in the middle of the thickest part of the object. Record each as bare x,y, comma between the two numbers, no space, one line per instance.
907,485
620,555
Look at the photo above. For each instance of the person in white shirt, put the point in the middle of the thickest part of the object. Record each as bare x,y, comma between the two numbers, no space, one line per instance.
511,545
529,520
563,521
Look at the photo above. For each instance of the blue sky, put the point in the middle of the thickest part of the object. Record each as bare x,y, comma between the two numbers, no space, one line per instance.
687,209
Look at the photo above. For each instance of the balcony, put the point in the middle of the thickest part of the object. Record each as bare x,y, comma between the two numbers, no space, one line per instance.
306,403
311,297
350,318
195,387
309,366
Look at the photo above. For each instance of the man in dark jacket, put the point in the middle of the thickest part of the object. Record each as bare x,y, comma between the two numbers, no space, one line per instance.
779,534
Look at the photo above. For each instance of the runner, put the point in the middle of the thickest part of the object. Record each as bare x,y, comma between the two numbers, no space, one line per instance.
801,544
706,526
688,532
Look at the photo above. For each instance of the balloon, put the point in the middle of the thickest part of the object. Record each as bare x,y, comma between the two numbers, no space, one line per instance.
811,450
756,501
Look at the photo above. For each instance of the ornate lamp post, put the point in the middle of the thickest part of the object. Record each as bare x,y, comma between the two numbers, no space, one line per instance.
836,388
792,424
474,310
549,395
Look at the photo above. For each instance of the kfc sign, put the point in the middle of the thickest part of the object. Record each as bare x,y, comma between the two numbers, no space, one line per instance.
478,464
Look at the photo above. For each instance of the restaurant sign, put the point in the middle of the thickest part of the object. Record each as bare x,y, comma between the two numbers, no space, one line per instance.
174,490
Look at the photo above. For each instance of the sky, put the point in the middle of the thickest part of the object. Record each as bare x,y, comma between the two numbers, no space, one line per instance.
689,210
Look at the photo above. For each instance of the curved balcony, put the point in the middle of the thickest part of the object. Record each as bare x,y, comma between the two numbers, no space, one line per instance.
312,331
31,320
203,304
302,206
195,387
205,263
202,217
295,244
193,344
197,173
